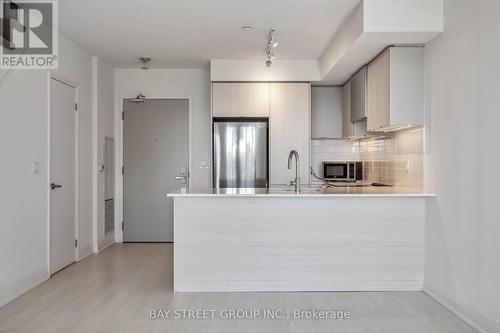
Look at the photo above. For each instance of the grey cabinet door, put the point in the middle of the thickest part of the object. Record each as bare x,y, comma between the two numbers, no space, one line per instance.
358,95
378,92
289,128
240,99
347,127
395,88
326,112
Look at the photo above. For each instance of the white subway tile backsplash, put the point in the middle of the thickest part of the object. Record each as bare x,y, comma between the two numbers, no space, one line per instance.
331,150
395,159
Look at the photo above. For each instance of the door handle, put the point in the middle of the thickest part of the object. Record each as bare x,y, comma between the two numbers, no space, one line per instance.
180,177
54,186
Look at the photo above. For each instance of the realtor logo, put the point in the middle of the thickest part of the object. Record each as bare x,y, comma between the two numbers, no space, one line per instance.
29,34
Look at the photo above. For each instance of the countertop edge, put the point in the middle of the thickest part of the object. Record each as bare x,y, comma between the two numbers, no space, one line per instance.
303,195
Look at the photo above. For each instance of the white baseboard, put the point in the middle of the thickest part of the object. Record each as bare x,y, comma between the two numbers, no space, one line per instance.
85,254
21,287
477,321
106,244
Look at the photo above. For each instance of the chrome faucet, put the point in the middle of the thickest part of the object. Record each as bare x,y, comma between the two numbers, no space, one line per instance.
297,162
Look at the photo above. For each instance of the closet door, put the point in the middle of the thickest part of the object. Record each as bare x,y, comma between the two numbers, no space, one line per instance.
290,128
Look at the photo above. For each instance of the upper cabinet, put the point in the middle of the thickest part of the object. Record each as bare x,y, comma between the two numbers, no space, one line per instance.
347,127
288,106
240,99
396,89
289,128
358,95
354,128
326,112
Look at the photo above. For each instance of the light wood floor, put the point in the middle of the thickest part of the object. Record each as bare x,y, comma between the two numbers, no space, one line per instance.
114,290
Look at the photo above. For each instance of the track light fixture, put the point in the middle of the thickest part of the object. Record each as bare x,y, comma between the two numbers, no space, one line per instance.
271,44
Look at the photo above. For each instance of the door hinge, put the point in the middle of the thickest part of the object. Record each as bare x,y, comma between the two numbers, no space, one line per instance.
123,115
122,224
123,170
76,106
76,242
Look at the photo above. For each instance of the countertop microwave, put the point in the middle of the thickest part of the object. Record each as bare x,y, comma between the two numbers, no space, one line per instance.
342,171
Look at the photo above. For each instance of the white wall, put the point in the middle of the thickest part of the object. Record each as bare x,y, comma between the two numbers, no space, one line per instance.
23,195
403,15
489,159
103,111
463,229
256,70
344,39
188,83
24,138
371,27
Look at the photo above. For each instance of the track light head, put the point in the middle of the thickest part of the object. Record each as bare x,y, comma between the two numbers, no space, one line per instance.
271,44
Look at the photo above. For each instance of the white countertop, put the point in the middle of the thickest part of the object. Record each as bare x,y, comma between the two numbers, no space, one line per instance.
347,191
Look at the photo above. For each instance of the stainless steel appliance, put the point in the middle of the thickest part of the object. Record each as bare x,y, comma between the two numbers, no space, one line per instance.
240,152
343,171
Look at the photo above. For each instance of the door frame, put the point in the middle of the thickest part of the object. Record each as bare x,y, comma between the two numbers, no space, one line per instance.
119,207
74,85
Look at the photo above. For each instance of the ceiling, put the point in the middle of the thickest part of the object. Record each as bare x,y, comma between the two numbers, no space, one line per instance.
188,33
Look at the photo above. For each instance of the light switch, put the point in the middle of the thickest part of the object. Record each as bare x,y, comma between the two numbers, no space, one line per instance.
204,165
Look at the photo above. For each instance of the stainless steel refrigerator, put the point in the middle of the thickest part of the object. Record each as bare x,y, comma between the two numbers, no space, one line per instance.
240,152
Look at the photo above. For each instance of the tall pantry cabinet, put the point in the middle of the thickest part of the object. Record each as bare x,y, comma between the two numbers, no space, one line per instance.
288,107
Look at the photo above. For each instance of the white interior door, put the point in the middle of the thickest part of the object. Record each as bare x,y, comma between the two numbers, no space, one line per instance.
155,154
62,175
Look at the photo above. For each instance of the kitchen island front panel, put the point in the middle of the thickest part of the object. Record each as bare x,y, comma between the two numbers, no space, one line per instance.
326,243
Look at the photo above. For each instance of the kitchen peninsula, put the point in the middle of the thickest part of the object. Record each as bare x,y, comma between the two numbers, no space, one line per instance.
338,239
251,233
